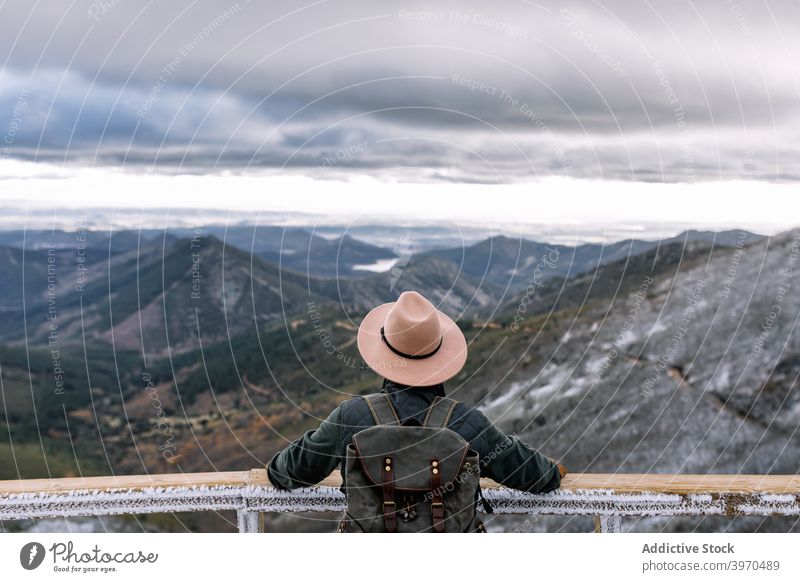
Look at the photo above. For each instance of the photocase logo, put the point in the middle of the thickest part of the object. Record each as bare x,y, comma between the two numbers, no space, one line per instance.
31,555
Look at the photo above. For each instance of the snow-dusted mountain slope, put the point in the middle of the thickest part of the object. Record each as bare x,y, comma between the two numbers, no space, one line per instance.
689,371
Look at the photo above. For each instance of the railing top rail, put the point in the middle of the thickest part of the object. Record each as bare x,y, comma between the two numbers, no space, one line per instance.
612,482
109,482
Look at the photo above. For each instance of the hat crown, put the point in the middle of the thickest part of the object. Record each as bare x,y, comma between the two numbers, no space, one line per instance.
412,325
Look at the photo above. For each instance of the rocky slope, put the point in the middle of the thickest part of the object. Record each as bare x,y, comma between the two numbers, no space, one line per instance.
693,371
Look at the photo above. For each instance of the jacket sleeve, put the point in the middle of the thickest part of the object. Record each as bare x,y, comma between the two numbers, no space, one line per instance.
309,459
513,463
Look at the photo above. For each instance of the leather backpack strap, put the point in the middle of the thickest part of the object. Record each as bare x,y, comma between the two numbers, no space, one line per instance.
389,504
381,408
439,412
437,504
438,416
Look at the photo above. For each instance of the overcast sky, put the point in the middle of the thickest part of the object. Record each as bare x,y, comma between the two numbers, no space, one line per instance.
406,93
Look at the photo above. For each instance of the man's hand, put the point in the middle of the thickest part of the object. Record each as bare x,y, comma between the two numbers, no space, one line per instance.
562,470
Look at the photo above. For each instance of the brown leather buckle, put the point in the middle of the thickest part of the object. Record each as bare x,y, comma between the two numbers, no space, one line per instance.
437,515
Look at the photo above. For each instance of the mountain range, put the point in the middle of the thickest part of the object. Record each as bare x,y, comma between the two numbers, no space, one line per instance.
669,358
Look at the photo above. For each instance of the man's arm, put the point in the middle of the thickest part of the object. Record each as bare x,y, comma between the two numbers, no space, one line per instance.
309,459
515,464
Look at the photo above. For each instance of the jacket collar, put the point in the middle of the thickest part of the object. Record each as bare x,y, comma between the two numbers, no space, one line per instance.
428,392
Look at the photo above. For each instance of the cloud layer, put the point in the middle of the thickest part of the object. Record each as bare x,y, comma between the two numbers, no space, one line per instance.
461,92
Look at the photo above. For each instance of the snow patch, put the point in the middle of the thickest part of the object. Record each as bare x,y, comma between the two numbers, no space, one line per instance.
379,266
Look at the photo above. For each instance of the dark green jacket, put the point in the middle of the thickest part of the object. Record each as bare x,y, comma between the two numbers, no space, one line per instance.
504,458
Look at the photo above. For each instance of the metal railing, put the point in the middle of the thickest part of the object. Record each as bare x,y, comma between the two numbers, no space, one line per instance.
608,497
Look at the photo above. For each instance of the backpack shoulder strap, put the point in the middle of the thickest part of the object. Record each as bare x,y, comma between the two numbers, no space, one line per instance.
381,408
439,412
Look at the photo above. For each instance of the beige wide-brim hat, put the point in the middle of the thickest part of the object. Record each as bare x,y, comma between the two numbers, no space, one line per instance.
410,342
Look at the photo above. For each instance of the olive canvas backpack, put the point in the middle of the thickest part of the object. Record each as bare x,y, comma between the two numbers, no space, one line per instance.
410,477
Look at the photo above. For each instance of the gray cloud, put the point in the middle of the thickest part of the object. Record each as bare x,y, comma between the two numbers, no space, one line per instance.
457,92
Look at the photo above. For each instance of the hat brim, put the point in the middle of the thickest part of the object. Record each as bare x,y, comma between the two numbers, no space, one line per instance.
441,366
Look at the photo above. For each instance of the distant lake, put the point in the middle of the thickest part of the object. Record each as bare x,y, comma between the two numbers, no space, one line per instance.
380,266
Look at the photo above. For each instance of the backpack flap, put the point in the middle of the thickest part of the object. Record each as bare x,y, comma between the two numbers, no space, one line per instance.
411,449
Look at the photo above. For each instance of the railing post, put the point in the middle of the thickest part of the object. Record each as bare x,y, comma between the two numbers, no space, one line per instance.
608,523
249,521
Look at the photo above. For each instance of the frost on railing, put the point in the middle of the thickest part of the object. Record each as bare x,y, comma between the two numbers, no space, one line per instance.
609,497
